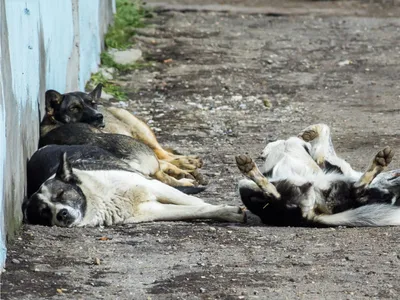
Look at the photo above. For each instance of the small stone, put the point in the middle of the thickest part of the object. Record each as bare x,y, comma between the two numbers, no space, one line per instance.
212,229
267,103
97,261
106,96
344,63
202,290
105,74
15,261
349,258
122,104
237,98
126,57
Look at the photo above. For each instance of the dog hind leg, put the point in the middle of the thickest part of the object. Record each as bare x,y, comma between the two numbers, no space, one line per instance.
167,179
323,152
319,136
174,171
141,131
155,211
185,162
379,163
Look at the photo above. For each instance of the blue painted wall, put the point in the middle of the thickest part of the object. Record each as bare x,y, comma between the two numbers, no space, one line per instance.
44,44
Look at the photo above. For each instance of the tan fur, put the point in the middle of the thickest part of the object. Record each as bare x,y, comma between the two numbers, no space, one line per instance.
379,163
120,121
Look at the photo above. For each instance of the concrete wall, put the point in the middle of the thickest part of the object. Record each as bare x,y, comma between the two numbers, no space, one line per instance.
44,44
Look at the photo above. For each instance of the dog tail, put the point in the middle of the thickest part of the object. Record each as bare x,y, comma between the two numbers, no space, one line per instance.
369,215
191,190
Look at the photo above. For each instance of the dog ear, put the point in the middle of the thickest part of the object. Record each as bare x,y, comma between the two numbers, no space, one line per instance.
53,98
64,171
96,93
305,187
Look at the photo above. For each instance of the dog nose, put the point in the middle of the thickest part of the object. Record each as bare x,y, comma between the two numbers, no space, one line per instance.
99,117
62,214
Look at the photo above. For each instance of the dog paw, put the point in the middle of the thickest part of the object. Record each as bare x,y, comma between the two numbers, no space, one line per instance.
384,157
312,132
244,163
187,163
198,177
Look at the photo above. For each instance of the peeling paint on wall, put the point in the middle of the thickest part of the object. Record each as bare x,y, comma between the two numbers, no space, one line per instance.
44,44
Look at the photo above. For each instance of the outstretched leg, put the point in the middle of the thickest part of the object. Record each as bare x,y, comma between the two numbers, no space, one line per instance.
167,179
139,130
381,160
174,171
155,211
319,136
249,169
184,162
323,152
168,204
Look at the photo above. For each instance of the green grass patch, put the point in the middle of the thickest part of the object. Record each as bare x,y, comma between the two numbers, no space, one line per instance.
130,15
108,86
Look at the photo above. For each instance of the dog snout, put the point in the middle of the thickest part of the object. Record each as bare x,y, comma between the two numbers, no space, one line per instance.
98,120
99,117
63,215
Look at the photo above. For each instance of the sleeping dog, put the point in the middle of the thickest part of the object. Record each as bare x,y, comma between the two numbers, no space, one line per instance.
73,119
304,182
62,110
88,186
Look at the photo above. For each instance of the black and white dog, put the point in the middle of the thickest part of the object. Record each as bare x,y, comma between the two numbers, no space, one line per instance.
95,188
304,182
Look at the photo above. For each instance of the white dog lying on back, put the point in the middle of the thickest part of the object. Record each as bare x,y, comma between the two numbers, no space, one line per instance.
303,182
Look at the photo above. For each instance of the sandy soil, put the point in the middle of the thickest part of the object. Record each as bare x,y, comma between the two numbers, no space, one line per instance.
337,63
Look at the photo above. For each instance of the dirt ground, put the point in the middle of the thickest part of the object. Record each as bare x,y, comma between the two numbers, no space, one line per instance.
335,62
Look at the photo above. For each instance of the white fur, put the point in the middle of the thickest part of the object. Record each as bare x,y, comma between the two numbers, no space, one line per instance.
368,215
290,161
120,197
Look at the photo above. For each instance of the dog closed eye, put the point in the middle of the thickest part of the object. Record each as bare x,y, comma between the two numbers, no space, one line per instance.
60,193
45,212
75,109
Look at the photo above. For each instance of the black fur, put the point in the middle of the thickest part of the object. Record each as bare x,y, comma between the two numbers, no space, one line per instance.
340,197
45,161
272,211
121,146
64,190
74,107
330,168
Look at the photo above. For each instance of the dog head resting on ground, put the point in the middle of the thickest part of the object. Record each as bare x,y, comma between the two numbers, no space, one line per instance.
72,107
59,201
